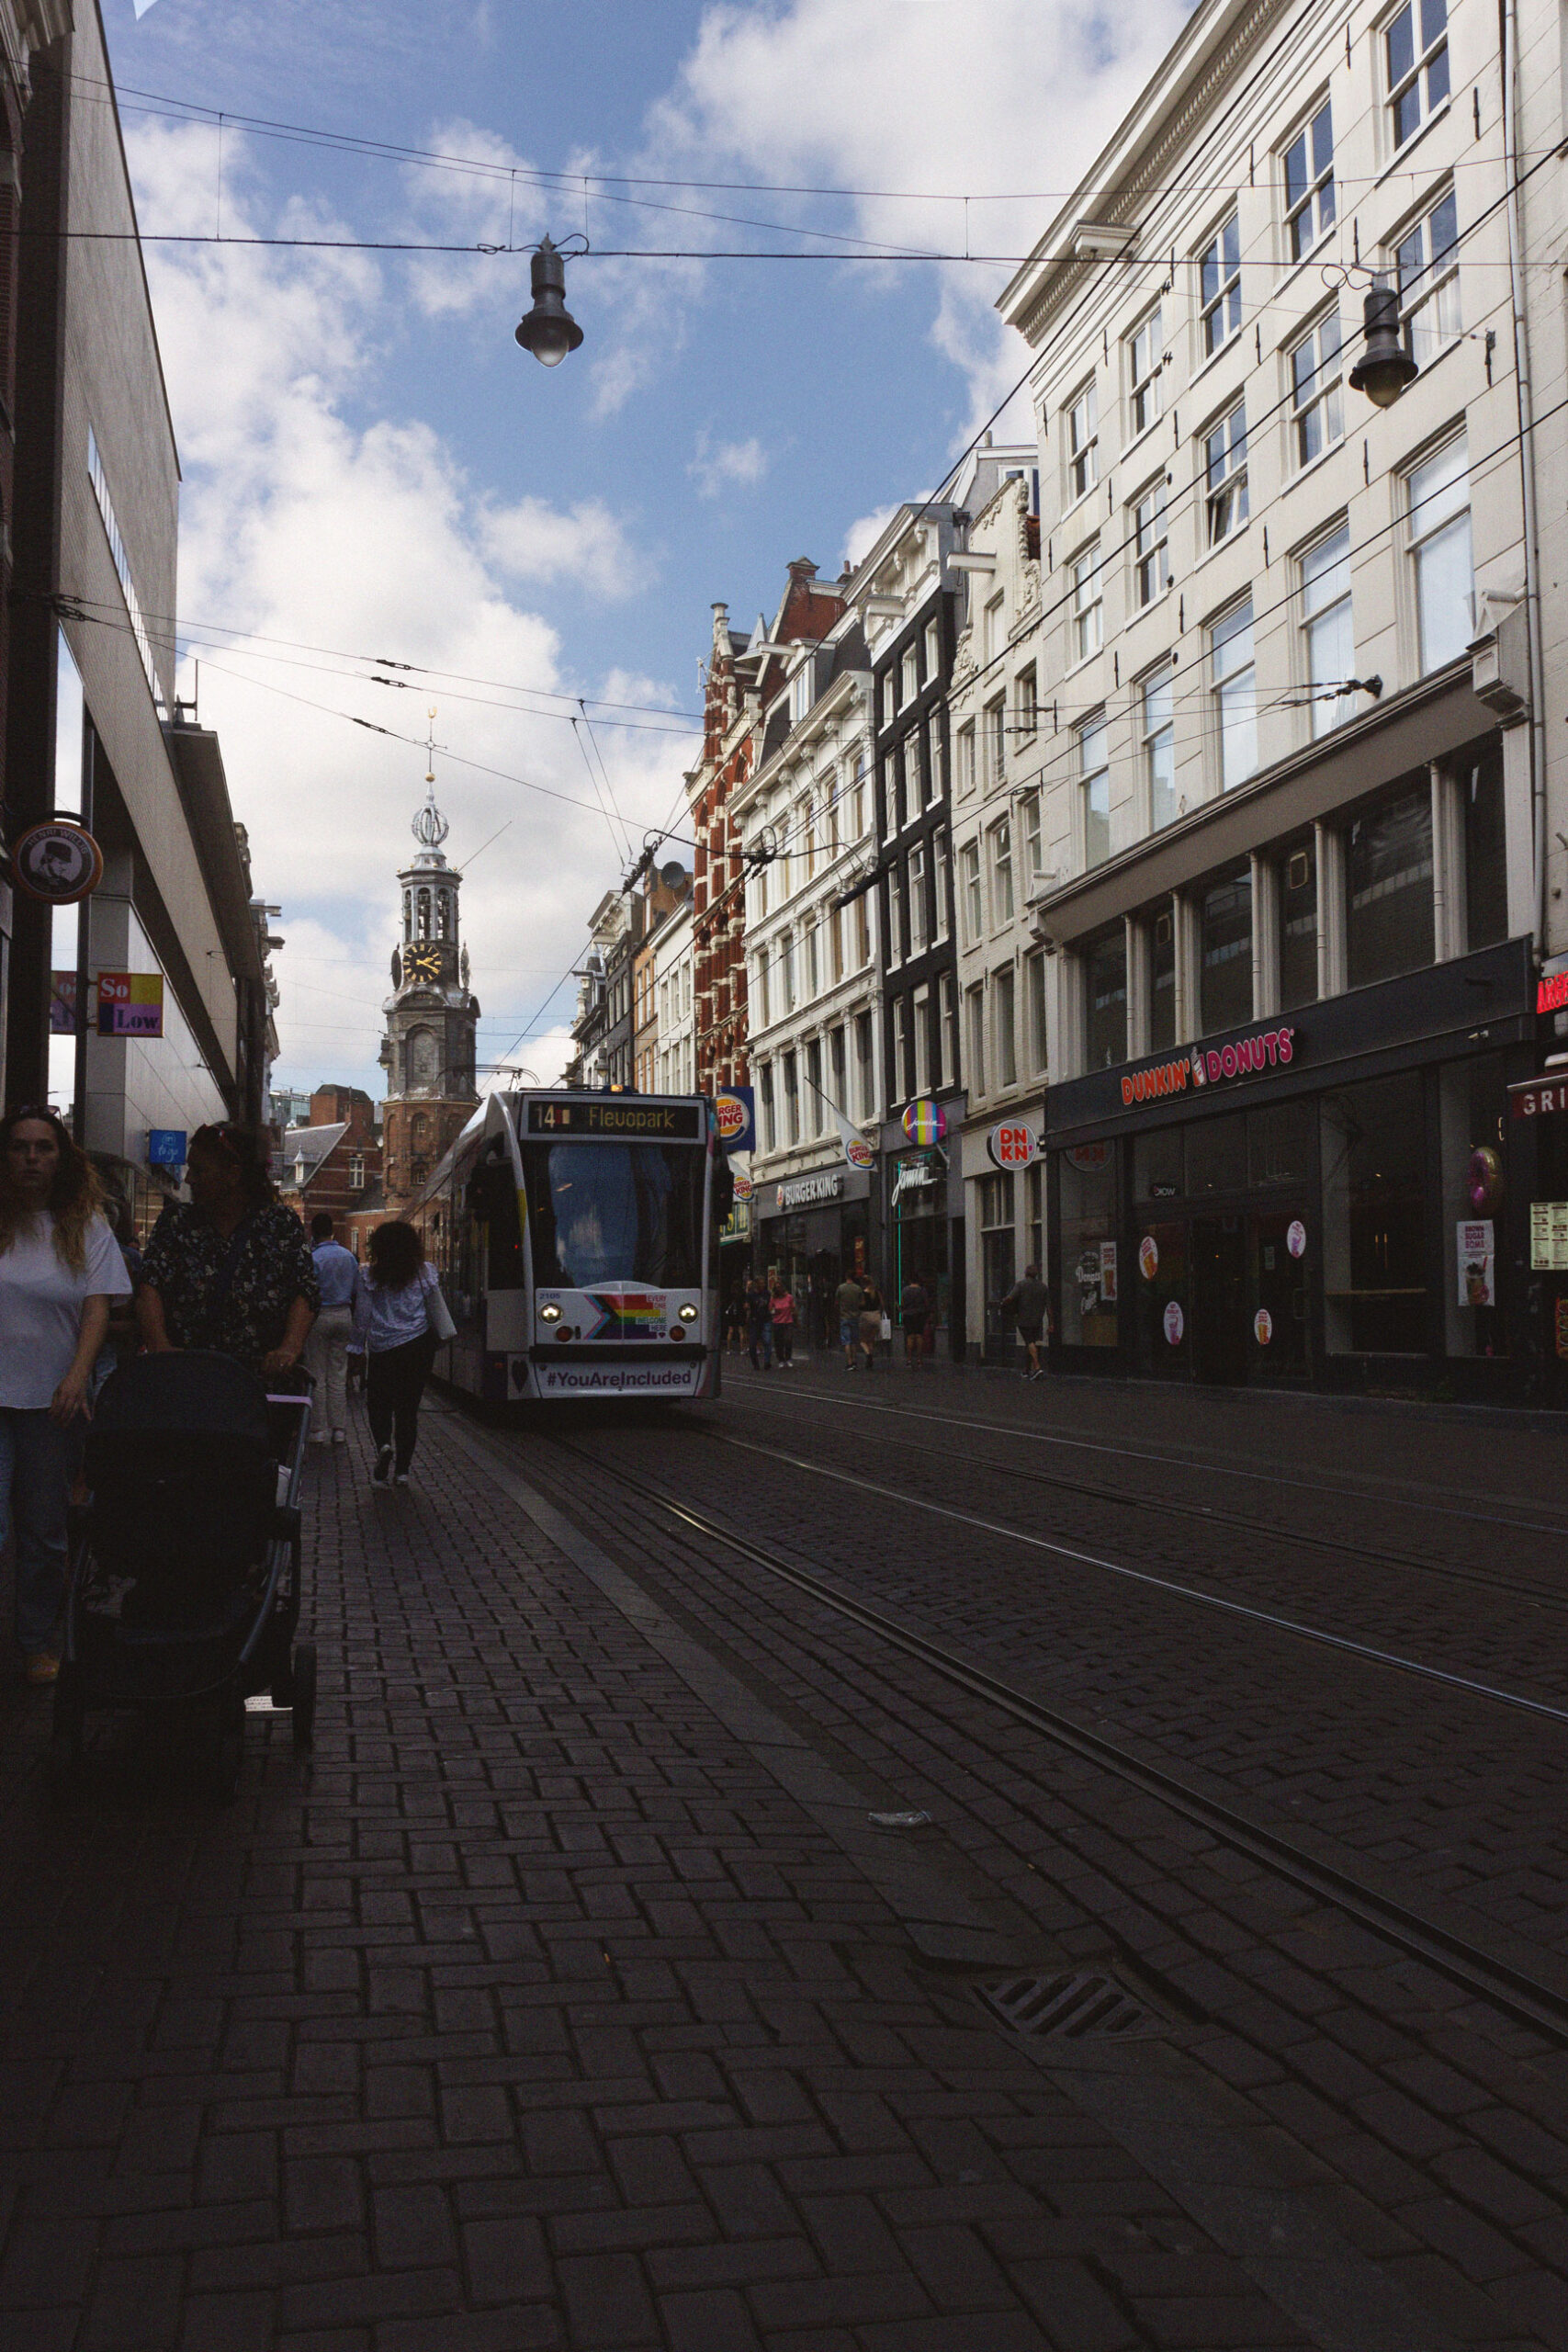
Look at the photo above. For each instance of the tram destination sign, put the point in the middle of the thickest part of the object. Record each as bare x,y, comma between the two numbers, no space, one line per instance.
621,1115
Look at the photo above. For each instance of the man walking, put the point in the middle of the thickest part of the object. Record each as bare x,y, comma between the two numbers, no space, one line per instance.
849,1298
326,1359
1030,1301
914,1313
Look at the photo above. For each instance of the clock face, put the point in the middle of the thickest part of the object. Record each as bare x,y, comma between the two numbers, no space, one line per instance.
423,963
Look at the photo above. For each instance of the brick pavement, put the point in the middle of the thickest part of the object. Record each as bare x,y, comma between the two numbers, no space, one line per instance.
536,2013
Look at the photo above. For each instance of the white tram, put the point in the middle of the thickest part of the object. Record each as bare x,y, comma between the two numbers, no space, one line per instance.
577,1240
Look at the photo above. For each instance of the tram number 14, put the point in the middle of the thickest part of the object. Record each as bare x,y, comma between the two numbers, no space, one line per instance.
555,1114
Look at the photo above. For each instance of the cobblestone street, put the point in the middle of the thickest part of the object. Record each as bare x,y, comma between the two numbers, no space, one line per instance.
573,1997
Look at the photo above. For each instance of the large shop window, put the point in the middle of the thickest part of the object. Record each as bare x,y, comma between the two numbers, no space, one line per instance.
997,1248
1388,875
1374,1238
1224,918
1485,848
1105,977
1298,922
1473,1099
1087,1285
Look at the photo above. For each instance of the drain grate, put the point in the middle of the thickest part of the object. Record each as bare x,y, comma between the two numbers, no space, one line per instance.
1080,2008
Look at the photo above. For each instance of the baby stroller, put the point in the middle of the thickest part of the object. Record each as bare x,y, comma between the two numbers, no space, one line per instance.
185,1560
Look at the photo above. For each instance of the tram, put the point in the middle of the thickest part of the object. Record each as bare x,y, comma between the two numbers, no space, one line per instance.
576,1239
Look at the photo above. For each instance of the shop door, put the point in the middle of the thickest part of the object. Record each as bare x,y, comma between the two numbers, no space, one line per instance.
1278,1244
1219,1300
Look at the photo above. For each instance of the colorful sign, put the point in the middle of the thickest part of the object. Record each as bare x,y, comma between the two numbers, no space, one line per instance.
1175,1321
925,1122
1552,993
1263,1327
857,1151
1148,1256
616,1114
734,1115
1108,1273
1477,1262
63,1004
1296,1238
167,1147
744,1188
1012,1145
58,861
1249,1057
130,1004
1483,1180
1548,1237
1540,1098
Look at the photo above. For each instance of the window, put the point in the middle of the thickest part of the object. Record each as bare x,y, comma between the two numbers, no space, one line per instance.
1105,982
814,1085
1437,505
1034,996
933,651
995,740
966,759
790,1099
1309,184
973,916
1225,474
1426,266
902,1088
1143,373
866,1105
1233,685
1083,443
836,1072
977,1040
785,966
940,886
1318,407
1374,1236
356,1171
1297,873
1158,733
922,1029
855,822
991,629
800,695
914,770
1224,954
1415,53
1035,1213
1027,703
837,922
896,915
1328,638
760,892
890,776
765,1104
808,961
1002,872
1389,923
1005,1024
759,990
948,1033
909,675
1151,553
1162,981
1094,791
999,1264
919,928
1088,604
860,911
1219,286
1029,818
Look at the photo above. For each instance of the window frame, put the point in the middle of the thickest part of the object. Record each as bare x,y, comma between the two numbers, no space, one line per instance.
972,891
1226,502
1098,725
1000,875
1308,204
1221,631
1080,443
1004,1023
1416,544
919,928
1415,77
1227,290
1087,613
1434,284
1324,716
1151,555
1144,405
1149,736
1026,703
1326,392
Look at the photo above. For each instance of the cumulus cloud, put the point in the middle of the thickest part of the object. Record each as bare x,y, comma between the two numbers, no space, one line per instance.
864,534
334,528
721,465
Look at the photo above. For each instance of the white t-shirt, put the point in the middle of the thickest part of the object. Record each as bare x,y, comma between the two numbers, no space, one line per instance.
41,1307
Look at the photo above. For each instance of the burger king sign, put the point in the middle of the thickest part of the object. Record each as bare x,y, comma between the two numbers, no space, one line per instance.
735,1118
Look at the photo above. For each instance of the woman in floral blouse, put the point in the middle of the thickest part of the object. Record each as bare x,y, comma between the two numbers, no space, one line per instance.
231,1269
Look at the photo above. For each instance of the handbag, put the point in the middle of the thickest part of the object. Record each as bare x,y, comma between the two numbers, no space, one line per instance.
888,1326
438,1314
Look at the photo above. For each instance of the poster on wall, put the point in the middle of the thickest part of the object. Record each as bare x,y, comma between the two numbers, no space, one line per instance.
1108,1273
1477,1262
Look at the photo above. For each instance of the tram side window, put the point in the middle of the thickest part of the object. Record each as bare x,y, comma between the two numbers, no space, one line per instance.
493,1206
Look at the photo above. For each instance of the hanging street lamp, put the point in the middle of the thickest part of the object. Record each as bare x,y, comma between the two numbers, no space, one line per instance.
548,330
1386,366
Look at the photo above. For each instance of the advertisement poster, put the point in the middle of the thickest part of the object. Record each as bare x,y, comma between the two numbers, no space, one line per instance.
1148,1256
1108,1273
130,1004
1175,1321
1477,1262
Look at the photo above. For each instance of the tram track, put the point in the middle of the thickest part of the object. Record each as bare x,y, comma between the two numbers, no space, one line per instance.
1505,1985
1205,1514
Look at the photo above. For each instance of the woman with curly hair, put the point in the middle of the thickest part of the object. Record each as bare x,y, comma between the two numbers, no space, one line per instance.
391,1323
60,1268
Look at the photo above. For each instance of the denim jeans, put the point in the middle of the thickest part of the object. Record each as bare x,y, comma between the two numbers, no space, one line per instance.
38,1461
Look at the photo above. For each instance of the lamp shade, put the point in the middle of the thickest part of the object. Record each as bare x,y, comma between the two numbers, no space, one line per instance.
548,330
1384,367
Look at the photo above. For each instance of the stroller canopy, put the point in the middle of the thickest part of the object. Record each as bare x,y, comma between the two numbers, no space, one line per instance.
193,1394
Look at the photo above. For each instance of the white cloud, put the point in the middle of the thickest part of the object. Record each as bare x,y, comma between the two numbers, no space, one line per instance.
312,514
864,534
727,464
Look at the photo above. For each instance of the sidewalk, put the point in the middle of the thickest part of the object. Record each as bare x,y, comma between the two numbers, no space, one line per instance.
552,2008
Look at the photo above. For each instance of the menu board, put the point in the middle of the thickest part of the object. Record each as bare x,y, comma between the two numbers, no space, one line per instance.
1548,1237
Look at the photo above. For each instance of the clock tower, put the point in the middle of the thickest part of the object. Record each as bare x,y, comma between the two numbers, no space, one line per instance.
428,1049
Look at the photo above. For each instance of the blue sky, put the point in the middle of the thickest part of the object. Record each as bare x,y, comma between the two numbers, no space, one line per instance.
371,466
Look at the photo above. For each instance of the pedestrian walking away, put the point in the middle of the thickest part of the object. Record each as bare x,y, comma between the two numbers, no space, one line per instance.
229,1269
735,1321
398,1293
326,1350
870,1324
1030,1301
850,1298
759,1324
914,1313
61,1268
781,1309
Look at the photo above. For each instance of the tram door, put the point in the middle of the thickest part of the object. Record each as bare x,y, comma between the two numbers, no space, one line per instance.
1219,1299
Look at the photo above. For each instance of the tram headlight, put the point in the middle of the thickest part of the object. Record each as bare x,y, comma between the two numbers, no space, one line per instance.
551,1314
688,1312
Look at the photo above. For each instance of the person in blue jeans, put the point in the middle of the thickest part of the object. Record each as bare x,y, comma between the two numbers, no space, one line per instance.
759,1324
60,1268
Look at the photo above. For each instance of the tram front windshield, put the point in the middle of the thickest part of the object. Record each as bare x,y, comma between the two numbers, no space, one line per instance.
615,1212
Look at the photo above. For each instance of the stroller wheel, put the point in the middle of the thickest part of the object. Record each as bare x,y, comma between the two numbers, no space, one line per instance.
304,1680
229,1747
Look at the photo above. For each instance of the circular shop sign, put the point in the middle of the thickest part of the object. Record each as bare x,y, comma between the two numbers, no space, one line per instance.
1148,1256
1012,1145
857,1152
925,1122
744,1187
1263,1327
1175,1321
1296,1238
58,861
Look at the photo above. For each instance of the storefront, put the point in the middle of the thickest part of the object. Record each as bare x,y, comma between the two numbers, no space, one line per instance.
1537,1169
1004,1185
811,1231
923,1204
1320,1200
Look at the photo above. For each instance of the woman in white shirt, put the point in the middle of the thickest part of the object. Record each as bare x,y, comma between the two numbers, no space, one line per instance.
391,1324
59,1269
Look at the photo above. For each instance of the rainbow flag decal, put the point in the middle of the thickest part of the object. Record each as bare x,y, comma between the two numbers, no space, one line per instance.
925,1122
627,1315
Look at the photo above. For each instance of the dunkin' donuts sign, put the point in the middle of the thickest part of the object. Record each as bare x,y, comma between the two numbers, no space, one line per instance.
1252,1057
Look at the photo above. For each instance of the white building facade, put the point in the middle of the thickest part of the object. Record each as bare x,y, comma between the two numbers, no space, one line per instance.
1293,813
672,963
